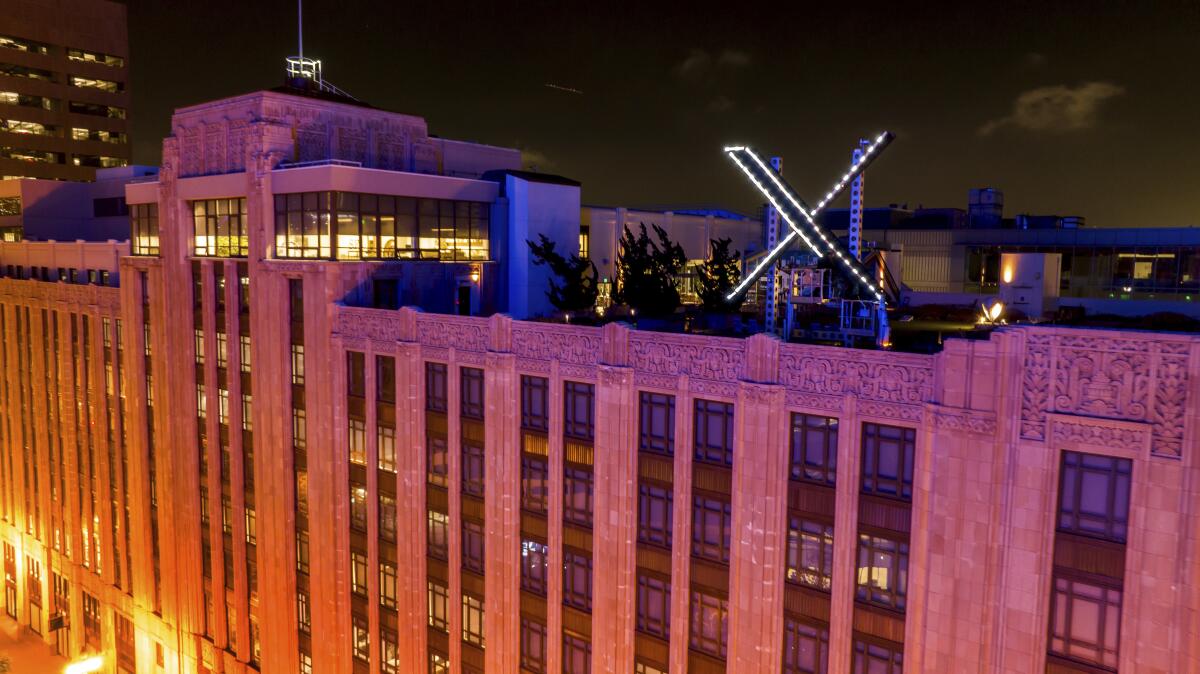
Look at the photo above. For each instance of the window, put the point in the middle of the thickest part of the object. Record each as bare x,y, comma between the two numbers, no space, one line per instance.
1085,621
222,350
657,423
358,573
809,553
439,663
439,601
713,430
348,225
303,612
577,579
887,456
251,527
472,469
640,667
472,619
533,645
577,496
247,412
535,475
220,227
387,517
23,45
814,448
882,571
535,415
387,585
437,468
712,520
199,337
244,352
472,545
385,379
356,375
579,402
438,534
1094,496
576,654
655,511
110,111
298,364
94,83
94,57
91,620
708,631
143,221
471,380
435,387
872,658
805,647
357,438
302,551
299,429
358,507
302,492
386,444
201,402
534,556
100,135
389,652
361,638
654,605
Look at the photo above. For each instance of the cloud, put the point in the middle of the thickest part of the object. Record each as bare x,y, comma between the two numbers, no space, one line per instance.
535,159
699,63
1057,108
1035,59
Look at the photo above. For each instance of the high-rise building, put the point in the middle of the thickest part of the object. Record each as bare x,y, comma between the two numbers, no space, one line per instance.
235,454
64,88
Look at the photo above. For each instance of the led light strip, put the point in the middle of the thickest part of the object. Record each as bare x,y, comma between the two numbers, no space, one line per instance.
850,264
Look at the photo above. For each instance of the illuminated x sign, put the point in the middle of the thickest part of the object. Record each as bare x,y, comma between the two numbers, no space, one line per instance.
801,218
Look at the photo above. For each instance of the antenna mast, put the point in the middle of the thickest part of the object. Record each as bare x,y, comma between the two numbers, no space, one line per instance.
300,25
306,72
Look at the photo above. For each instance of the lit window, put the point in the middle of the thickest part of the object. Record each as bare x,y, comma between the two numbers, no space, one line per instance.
220,228
386,441
95,83
387,585
882,571
439,599
361,638
358,441
472,619
143,220
94,57
438,534
244,352
358,507
358,573
809,553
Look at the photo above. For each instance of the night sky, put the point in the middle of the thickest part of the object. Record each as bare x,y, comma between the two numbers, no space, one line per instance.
1071,108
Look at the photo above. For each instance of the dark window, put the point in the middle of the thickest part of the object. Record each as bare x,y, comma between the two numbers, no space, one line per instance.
438,534
472,469
882,571
533,566
712,520
577,654
535,474
472,545
654,605
708,631
356,376
438,468
814,448
577,579
385,379
387,517
872,658
714,432
577,496
887,457
579,403
1085,621
435,387
809,553
657,423
654,515
109,207
1094,496
805,647
533,645
471,380
535,415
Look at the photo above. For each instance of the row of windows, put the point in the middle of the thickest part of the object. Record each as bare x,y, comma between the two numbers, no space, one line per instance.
352,226
73,53
13,70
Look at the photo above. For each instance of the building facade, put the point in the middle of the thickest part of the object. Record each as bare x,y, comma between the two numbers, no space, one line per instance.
224,448
64,88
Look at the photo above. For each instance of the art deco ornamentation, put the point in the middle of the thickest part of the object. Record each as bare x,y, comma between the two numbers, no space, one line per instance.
891,377
1131,379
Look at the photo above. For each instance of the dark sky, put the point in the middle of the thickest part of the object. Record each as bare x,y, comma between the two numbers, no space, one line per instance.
1080,108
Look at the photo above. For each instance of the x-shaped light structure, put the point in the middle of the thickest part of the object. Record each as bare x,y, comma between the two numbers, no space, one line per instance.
801,219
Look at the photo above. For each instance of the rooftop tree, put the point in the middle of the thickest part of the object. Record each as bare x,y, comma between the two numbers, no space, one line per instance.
576,287
647,270
718,276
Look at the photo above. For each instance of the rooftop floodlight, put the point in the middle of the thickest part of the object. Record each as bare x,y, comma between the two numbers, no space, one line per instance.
992,312
801,218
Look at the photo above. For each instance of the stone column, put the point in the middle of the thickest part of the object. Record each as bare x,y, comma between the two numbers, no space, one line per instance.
502,501
845,539
410,500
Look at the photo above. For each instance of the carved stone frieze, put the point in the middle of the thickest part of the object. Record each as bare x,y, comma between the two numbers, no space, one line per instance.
970,421
870,375
541,341
1106,376
713,358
